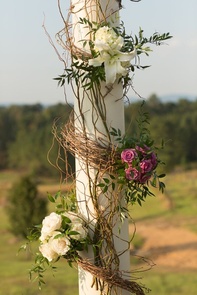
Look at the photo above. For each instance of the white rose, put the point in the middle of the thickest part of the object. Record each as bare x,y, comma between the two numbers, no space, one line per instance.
76,225
59,245
72,216
48,252
50,224
106,39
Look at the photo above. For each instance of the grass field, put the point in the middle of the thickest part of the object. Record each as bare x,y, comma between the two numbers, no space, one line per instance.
178,206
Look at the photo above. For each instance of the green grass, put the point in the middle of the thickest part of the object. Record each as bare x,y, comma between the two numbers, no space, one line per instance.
178,206
165,281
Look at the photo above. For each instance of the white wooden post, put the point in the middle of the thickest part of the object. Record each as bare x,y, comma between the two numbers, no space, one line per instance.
87,116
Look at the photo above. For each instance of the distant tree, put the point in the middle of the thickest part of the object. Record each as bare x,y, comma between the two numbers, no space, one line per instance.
7,135
154,100
25,207
34,145
27,141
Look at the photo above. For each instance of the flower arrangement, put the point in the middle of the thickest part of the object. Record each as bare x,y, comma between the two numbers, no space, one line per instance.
140,163
137,171
108,44
107,55
133,164
62,235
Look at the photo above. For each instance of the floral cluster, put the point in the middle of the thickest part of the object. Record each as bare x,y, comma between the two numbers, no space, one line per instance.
108,45
107,55
61,235
140,162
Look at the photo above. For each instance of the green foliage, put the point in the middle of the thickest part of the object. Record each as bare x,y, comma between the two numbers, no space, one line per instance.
64,202
27,142
88,75
26,208
26,135
156,39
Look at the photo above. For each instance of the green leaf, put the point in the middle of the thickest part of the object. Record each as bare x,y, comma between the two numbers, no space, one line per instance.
57,195
161,175
106,180
101,185
73,233
153,182
161,186
113,186
112,176
105,189
51,198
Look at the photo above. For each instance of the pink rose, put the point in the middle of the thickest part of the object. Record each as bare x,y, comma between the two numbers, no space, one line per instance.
143,149
132,173
146,166
153,160
144,177
128,155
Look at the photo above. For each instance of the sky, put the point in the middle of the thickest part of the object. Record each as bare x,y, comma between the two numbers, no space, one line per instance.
28,63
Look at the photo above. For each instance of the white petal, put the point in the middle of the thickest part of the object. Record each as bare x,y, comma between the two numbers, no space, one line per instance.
118,43
96,62
100,45
110,72
124,56
120,70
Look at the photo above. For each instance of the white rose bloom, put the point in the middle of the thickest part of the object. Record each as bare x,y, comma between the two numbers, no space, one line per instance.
48,252
107,39
72,216
76,225
50,224
59,245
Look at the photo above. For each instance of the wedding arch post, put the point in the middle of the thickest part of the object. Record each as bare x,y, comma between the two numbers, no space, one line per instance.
95,115
90,228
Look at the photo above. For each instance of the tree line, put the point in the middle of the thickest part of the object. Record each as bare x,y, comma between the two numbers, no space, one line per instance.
27,141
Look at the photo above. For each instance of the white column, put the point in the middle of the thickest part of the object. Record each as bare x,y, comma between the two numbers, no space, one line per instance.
87,115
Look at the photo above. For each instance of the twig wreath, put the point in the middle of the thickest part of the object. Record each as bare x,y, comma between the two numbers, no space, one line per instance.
124,168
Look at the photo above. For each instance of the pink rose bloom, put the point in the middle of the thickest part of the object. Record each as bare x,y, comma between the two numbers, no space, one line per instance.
143,149
144,177
153,160
132,173
146,166
128,155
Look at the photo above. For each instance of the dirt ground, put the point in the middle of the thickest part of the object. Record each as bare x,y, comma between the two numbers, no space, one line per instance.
167,245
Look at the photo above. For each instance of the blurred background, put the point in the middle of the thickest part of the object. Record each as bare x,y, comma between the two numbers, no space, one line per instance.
30,105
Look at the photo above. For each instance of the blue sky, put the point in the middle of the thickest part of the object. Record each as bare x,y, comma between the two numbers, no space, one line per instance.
28,62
